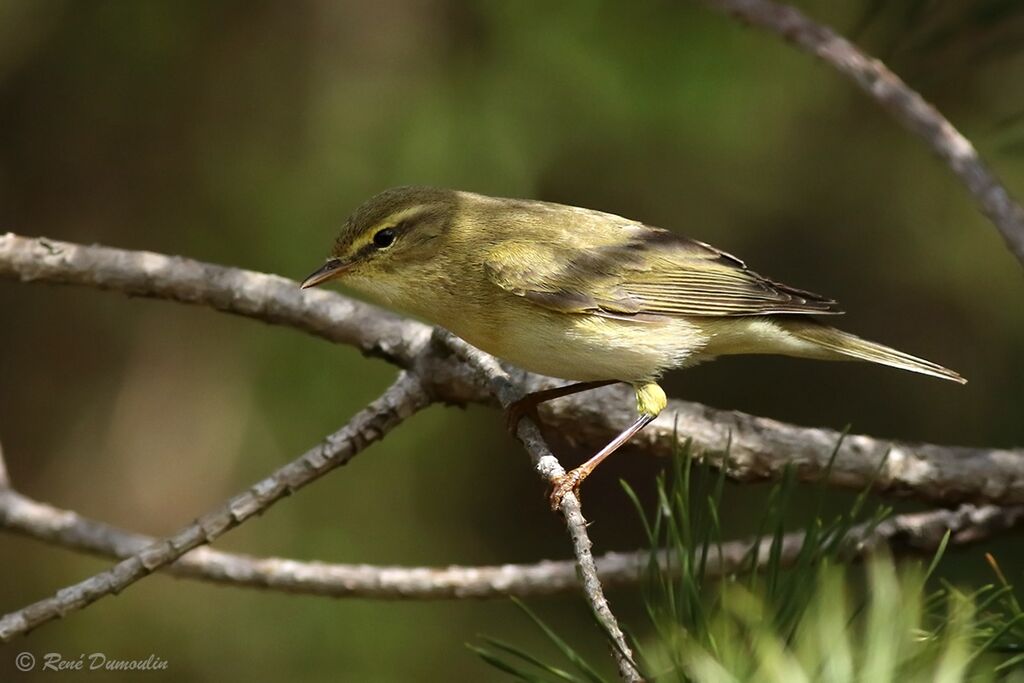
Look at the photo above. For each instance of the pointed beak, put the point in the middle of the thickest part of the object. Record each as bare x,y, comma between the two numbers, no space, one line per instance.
330,270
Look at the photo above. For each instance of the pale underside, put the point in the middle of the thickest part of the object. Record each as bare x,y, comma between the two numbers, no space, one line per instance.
585,347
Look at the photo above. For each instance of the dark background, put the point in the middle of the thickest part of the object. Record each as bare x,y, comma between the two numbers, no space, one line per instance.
243,133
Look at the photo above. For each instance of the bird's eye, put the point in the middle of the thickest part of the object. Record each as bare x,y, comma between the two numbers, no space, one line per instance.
384,238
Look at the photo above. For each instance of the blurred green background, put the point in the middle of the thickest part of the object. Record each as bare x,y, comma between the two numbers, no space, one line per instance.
243,133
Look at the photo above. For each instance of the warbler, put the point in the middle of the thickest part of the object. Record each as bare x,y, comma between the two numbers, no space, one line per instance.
581,295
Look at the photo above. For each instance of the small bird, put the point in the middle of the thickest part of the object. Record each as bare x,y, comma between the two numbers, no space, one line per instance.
580,295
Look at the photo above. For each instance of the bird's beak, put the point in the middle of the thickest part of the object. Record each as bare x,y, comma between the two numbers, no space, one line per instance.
330,270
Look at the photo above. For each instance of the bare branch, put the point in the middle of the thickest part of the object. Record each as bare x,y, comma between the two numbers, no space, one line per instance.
547,465
922,532
896,97
401,400
761,447
910,533
270,298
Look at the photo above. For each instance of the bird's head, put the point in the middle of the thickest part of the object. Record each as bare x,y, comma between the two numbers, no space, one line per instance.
385,238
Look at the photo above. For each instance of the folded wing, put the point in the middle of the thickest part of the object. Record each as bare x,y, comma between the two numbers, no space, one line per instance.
651,272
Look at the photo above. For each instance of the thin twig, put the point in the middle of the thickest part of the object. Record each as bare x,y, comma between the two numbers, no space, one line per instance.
401,400
761,447
897,98
918,533
547,465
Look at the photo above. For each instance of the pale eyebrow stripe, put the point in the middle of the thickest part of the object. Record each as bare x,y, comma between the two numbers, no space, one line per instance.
391,221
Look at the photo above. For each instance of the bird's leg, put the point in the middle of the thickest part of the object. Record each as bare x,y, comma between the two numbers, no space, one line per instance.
650,400
570,481
527,405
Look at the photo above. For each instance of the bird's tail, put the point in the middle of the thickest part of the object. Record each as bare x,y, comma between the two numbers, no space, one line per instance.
842,345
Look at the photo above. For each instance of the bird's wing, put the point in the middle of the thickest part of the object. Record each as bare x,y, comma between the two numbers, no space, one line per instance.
649,272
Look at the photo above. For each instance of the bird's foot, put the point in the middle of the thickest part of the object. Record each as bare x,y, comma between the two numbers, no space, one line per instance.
566,484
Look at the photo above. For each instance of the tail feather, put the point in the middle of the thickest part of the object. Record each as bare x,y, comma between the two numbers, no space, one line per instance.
851,346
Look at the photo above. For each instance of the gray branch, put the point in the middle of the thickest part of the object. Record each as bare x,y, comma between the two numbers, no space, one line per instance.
760,449
270,298
897,98
918,533
401,400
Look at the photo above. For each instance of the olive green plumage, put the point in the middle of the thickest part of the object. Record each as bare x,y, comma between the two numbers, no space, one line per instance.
580,294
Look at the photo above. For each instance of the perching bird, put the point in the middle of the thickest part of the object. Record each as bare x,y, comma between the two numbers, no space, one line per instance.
581,295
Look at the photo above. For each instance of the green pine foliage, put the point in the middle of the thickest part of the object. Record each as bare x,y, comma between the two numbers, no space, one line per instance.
789,617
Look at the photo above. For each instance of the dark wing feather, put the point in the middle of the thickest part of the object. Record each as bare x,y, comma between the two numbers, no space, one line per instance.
650,272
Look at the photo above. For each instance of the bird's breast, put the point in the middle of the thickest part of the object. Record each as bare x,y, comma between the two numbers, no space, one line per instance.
580,347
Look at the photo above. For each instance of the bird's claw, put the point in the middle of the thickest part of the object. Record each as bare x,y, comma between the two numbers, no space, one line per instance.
564,485
517,411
